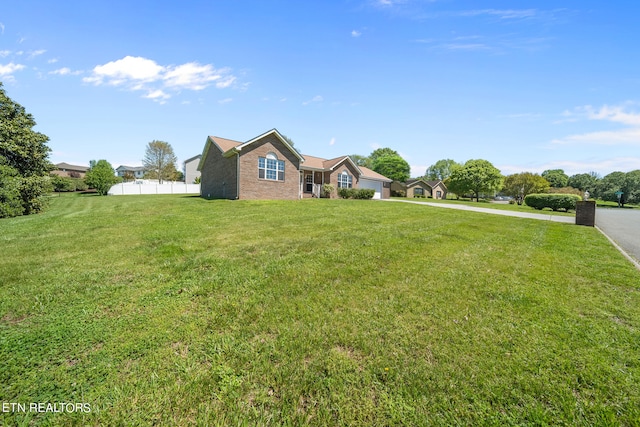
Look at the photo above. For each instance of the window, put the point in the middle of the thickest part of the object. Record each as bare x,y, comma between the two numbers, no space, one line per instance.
418,191
309,182
271,168
345,180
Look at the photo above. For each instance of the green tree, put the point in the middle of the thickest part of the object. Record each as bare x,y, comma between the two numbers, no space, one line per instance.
631,187
584,182
101,176
441,170
160,160
361,160
10,198
379,152
556,177
477,177
393,167
24,157
520,184
609,185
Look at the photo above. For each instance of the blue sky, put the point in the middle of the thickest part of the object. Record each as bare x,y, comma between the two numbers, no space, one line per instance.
528,85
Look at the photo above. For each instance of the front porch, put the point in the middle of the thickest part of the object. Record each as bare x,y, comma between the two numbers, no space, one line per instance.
311,183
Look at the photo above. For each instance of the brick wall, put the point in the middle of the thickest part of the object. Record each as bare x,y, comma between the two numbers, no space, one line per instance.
219,175
332,177
252,187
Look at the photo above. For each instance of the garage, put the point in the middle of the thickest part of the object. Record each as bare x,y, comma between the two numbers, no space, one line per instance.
372,184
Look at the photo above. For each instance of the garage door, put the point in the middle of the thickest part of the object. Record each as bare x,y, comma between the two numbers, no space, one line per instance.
375,185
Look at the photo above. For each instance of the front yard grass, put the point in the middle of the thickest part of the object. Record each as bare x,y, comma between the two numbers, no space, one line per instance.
174,310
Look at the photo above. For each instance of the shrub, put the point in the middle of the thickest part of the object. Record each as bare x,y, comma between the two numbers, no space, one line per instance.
364,193
552,201
356,193
327,190
345,193
62,183
80,184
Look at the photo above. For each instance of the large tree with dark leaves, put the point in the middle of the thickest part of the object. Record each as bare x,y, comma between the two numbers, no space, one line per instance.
24,163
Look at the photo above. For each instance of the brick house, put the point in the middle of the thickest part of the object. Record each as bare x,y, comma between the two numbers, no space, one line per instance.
268,167
72,171
420,188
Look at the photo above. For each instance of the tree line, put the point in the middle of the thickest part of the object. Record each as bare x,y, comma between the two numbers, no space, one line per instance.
480,176
25,169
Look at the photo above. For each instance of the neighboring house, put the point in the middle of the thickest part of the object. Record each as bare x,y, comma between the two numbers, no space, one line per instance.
268,167
191,171
136,171
421,188
71,171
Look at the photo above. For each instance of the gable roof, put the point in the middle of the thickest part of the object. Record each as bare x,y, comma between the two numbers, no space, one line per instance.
431,184
320,164
198,156
229,147
64,165
130,168
371,174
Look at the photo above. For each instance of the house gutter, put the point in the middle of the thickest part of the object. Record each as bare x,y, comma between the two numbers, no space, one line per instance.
237,175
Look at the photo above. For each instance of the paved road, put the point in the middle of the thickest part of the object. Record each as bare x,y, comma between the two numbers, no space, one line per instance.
622,226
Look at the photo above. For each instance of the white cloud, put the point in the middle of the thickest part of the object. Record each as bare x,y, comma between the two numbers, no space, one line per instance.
157,96
61,71
4,53
194,76
332,141
613,114
138,73
355,33
466,46
125,71
316,98
1,28
7,71
613,137
225,101
52,61
603,167
35,53
630,135
503,13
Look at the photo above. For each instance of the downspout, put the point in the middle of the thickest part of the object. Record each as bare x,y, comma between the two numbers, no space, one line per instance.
237,175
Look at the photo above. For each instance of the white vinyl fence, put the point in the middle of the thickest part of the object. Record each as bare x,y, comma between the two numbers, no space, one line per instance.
146,187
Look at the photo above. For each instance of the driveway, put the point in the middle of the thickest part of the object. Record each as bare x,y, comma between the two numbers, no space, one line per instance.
623,227
540,216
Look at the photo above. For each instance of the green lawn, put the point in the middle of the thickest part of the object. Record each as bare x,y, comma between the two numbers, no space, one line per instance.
174,310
